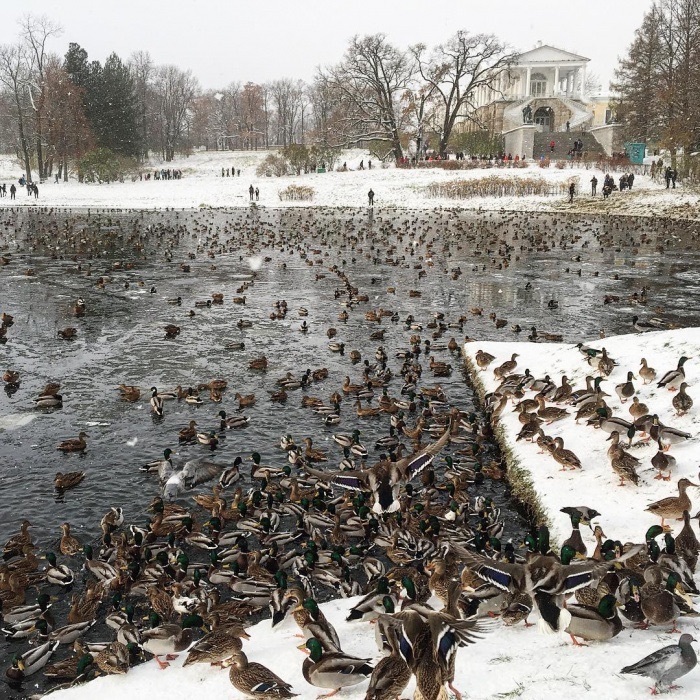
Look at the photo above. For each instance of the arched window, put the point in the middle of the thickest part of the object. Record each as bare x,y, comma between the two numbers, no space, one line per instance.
538,85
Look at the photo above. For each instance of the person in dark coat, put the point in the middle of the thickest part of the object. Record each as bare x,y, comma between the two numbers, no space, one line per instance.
370,197
35,187
594,184
257,194
674,175
572,189
251,192
667,176
13,191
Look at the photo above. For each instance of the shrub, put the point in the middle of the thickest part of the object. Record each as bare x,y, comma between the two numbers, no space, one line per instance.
273,164
103,165
560,165
490,186
297,193
297,157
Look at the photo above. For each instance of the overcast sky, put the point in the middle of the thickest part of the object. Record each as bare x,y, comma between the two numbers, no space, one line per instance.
223,41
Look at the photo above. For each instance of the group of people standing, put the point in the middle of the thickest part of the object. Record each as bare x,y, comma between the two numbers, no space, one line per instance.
626,181
230,172
670,175
32,188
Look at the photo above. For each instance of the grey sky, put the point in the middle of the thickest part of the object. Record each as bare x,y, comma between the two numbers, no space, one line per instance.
234,40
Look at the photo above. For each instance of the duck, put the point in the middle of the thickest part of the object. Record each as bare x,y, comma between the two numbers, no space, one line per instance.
663,462
675,377
667,436
626,389
549,414
313,622
260,363
62,481
648,374
333,670
68,333
392,674
483,359
681,401
672,507
638,409
189,433
565,457
222,643
68,546
658,599
255,680
623,463
156,402
74,444
58,574
244,401
233,421
33,660
171,330
129,393
168,639
598,624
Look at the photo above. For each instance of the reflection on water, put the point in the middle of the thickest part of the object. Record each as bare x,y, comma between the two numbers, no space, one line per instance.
511,266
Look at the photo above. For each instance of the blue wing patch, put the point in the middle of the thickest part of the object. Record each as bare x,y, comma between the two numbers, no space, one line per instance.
498,578
417,465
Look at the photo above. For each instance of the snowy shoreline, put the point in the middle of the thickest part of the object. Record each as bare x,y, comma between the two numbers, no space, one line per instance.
203,187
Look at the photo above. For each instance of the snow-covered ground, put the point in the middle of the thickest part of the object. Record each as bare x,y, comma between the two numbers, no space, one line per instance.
514,662
507,663
595,485
202,185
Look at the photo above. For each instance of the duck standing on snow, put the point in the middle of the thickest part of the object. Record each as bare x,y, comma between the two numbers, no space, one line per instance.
675,377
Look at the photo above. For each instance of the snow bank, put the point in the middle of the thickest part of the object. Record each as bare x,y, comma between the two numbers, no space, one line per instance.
595,485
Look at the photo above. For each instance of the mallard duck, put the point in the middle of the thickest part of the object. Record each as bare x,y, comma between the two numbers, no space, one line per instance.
664,462
218,645
189,433
58,574
623,463
334,670
244,401
63,482
681,401
483,359
657,600
168,639
69,546
171,330
565,457
507,367
75,444
233,421
30,662
76,668
638,409
672,508
594,624
311,454
626,389
648,374
129,392
549,414
687,544
666,435
371,605
575,541
156,402
675,377
666,665
102,570
114,659
259,363
255,680
385,478
313,622
68,333
49,401
391,675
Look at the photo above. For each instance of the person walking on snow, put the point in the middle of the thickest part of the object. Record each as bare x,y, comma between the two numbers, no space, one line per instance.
251,192
13,191
257,194
572,189
370,196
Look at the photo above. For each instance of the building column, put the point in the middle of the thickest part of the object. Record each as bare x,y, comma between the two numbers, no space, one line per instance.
527,82
556,81
568,83
583,81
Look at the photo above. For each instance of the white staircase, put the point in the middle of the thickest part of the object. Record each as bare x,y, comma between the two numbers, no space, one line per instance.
580,116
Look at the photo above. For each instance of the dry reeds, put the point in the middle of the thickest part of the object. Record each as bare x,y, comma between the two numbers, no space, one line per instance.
491,186
297,193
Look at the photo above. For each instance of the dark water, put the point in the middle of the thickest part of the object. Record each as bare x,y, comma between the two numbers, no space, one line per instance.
121,339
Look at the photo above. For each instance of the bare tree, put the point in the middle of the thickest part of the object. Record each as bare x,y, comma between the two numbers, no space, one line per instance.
370,84
36,32
142,70
174,92
15,77
455,69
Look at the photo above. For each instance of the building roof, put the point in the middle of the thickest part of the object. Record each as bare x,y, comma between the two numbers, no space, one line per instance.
549,54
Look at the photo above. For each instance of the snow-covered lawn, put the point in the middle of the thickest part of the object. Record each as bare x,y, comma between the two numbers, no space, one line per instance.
202,185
